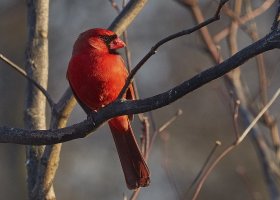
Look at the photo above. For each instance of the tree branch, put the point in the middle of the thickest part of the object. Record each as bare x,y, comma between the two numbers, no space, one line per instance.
167,39
25,75
234,144
127,15
117,108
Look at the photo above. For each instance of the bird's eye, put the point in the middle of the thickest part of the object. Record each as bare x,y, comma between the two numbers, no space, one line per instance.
108,38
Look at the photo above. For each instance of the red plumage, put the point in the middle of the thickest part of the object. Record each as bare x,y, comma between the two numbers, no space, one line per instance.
96,74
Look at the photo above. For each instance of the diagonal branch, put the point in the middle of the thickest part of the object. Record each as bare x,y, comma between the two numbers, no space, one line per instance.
25,75
127,15
244,19
117,108
234,144
167,39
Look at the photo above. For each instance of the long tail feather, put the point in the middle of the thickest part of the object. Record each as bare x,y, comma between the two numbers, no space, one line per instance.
134,167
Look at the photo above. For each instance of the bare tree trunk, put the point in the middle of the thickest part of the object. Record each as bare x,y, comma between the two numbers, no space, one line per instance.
37,69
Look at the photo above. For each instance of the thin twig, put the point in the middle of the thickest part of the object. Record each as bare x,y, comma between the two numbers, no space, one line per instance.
235,75
127,15
269,120
209,170
115,6
241,21
235,117
202,169
170,121
167,39
25,75
234,144
165,164
135,194
153,121
265,108
141,116
146,145
276,18
147,137
164,127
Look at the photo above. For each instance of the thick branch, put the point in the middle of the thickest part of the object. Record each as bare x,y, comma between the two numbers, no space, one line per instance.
21,136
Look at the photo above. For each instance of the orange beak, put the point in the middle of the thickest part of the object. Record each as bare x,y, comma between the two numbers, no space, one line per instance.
117,44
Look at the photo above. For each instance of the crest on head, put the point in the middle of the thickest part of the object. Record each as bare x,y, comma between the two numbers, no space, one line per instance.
98,39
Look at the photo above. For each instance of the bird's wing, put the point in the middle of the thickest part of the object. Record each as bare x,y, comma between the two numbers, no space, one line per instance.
74,61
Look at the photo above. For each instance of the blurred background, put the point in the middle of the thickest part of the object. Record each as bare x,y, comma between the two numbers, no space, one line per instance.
90,168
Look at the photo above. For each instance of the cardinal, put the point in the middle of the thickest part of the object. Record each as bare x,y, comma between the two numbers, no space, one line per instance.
96,74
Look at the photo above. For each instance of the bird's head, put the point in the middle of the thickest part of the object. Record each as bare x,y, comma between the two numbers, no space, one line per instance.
99,40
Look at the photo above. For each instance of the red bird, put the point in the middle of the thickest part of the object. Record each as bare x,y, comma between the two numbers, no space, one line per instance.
97,74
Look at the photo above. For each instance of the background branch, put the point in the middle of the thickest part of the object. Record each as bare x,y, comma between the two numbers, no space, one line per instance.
233,79
24,74
235,144
127,15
